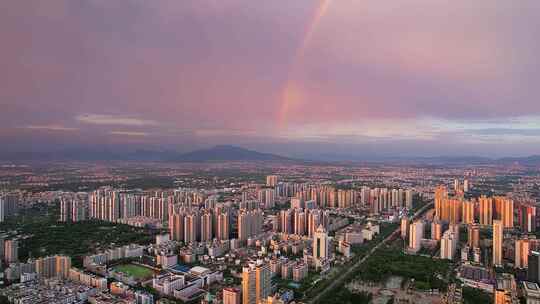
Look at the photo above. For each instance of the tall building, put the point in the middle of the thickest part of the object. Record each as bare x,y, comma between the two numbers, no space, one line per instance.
533,269
441,195
320,245
507,211
11,251
9,204
56,266
286,221
468,212
231,296
72,210
192,225
300,222
249,224
223,225
206,227
498,230
526,212
314,219
176,226
522,253
453,209
271,180
473,236
267,197
436,230
466,186
486,211
256,283
409,199
404,227
416,235
449,244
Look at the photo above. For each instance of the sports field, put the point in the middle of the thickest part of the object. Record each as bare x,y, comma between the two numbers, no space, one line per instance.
136,271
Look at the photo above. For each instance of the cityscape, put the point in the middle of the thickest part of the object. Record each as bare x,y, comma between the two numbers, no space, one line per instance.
269,152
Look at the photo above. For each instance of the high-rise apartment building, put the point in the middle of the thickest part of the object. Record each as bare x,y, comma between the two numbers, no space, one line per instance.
533,269
56,266
468,212
473,236
416,235
409,199
522,253
526,216
320,245
192,225
206,227
486,211
72,210
404,227
271,180
176,226
300,222
506,211
249,224
231,296
498,230
466,185
449,244
223,226
286,217
256,283
9,204
436,230
11,251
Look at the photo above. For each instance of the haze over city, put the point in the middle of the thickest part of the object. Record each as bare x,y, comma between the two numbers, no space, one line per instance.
306,79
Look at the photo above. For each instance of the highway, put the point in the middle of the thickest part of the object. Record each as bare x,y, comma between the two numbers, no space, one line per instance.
340,279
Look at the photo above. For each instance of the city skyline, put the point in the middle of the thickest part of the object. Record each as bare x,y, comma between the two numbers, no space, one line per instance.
407,78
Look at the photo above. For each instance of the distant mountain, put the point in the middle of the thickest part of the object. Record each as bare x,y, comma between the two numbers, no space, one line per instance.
228,153
233,153
217,153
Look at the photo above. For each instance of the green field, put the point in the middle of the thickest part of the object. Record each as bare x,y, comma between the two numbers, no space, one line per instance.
136,271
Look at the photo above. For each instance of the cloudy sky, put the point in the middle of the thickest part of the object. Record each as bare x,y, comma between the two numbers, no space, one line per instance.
302,77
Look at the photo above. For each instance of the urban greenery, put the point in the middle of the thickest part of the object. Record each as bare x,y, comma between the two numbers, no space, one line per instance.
473,296
425,271
41,234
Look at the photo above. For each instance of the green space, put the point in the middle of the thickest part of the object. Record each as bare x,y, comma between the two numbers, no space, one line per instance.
344,296
473,296
42,235
387,262
136,271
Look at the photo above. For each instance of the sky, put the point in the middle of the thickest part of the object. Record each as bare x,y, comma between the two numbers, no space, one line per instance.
304,77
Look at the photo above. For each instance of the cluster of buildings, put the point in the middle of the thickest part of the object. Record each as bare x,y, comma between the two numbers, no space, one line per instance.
499,232
9,204
275,231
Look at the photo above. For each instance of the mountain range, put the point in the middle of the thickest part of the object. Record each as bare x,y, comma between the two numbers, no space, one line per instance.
216,153
234,153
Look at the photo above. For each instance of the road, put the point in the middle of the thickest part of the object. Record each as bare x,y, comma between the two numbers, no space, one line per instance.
341,277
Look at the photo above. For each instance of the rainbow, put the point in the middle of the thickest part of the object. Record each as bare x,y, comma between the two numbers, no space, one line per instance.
289,94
